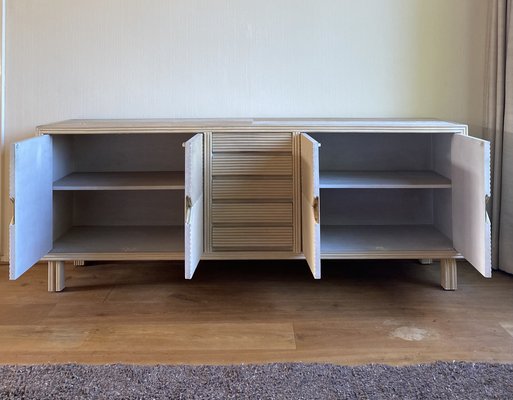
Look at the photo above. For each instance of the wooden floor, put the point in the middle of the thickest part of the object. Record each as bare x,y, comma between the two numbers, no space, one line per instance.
253,312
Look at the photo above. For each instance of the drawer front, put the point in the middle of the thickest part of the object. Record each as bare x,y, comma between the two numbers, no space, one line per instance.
252,238
251,164
252,213
252,189
243,142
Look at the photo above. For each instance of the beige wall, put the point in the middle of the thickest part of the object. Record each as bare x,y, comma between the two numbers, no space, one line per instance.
233,58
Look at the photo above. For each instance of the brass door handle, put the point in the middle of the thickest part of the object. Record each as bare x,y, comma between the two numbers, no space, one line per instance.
316,209
188,209
13,212
488,208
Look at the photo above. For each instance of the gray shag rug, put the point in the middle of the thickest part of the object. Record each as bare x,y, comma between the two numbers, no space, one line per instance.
440,380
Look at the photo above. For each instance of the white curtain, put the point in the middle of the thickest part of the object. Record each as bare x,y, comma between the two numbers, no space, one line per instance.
499,123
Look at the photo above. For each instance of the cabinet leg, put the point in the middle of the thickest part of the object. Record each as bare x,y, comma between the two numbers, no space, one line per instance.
55,276
448,274
426,261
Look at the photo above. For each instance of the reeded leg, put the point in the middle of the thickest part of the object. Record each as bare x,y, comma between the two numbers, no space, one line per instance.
448,274
55,276
426,261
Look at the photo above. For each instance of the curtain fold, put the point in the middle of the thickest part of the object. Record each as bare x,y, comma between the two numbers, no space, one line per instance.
499,124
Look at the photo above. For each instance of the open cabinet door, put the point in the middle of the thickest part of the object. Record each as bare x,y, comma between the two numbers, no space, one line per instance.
193,203
310,207
30,232
470,187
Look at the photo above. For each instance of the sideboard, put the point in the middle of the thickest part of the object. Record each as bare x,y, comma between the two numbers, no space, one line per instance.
191,190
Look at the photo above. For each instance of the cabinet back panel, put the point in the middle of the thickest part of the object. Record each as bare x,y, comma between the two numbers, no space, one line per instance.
63,156
376,207
128,208
129,152
374,151
442,164
62,213
442,211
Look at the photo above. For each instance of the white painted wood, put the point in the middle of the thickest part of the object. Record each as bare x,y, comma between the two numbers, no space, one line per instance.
252,141
89,242
31,189
377,206
252,238
129,152
121,181
382,239
310,206
242,214
250,224
207,195
375,151
471,184
133,207
56,276
51,276
382,180
253,255
252,164
194,203
309,125
244,188
252,192
62,212
448,274
442,211
296,199
442,199
64,159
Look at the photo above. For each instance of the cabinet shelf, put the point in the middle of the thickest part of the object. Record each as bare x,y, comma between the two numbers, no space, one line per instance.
170,180
383,180
384,240
97,240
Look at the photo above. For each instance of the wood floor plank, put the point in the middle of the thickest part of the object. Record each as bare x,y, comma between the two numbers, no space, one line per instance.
24,314
508,326
137,337
254,312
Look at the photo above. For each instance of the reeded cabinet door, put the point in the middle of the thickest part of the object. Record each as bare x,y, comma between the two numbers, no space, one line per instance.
310,203
193,203
471,185
30,232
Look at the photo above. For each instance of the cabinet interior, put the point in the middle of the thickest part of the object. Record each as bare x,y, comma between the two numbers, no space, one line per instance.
117,193
385,192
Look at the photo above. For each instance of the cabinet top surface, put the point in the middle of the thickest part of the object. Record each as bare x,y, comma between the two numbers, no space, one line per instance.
250,124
